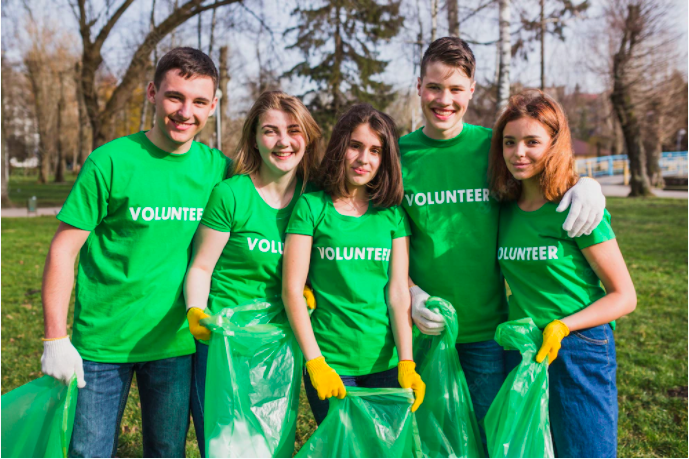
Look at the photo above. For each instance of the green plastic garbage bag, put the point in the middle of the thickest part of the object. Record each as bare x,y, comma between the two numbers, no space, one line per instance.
367,423
517,423
38,417
447,423
253,380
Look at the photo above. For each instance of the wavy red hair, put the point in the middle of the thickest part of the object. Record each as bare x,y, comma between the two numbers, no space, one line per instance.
558,174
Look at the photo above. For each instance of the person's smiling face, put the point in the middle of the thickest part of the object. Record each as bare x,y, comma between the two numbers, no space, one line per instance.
363,156
525,142
182,107
280,141
445,94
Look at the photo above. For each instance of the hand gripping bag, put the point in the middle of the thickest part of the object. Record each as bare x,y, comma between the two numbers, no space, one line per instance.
517,423
38,417
253,380
446,419
367,423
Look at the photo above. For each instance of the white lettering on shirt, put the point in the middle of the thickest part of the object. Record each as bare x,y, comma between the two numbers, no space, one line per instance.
265,245
354,253
166,213
447,197
548,252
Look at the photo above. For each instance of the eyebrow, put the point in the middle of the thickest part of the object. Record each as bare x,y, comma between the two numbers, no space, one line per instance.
276,128
526,137
177,93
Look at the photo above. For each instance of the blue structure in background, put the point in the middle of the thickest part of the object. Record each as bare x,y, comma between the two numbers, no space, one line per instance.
671,163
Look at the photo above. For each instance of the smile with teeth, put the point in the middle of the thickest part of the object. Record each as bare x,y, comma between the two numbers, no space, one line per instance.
282,154
442,112
181,124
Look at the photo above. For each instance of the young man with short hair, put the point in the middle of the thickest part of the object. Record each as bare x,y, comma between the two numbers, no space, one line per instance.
131,217
453,247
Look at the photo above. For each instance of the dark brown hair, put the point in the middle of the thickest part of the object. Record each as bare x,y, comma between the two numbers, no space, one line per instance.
451,51
385,190
558,174
190,62
247,159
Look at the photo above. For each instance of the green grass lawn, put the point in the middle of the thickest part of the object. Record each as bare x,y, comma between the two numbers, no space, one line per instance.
22,187
651,343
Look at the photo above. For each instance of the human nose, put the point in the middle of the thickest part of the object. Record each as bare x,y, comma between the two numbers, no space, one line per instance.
185,110
445,97
520,150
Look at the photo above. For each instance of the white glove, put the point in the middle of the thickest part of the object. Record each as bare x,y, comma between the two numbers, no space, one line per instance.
587,207
427,321
62,361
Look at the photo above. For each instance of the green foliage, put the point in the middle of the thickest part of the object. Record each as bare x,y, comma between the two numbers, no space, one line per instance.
651,342
338,40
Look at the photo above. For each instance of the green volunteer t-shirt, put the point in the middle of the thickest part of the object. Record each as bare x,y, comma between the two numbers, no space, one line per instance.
454,225
142,206
547,273
250,265
349,273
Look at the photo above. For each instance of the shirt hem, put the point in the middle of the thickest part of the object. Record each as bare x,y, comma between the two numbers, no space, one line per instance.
135,359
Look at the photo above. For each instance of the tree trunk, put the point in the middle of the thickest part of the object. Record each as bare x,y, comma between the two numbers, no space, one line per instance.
505,57
84,143
434,19
542,45
224,79
452,18
92,58
60,152
653,145
36,71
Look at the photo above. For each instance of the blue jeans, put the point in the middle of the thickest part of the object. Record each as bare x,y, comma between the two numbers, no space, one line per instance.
164,391
198,393
583,394
484,368
384,379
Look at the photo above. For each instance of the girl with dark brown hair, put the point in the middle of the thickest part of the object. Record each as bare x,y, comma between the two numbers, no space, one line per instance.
556,279
351,240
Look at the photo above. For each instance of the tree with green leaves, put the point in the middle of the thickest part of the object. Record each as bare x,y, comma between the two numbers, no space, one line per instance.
338,40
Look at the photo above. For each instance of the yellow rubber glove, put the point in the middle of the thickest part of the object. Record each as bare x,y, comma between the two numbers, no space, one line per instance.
410,379
553,335
325,380
308,296
201,333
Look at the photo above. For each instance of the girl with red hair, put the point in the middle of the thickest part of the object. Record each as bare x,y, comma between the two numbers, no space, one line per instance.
555,279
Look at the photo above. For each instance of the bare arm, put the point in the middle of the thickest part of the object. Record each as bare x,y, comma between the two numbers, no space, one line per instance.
206,250
399,300
607,262
295,269
58,278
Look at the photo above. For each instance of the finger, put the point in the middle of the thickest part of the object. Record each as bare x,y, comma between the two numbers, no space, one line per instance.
432,316
433,326
321,394
578,227
566,201
419,393
542,353
427,331
595,221
572,216
552,355
342,392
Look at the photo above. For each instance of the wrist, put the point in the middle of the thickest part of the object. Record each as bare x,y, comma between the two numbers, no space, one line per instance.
46,339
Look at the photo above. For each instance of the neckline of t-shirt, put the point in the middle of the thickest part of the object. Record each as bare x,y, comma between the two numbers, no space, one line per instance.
166,155
284,210
350,218
531,212
441,143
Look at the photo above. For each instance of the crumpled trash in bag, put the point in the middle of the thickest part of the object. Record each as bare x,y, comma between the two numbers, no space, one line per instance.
517,423
253,380
446,419
367,423
38,418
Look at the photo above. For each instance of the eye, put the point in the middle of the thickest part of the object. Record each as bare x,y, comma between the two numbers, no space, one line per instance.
295,131
534,142
375,151
268,131
508,142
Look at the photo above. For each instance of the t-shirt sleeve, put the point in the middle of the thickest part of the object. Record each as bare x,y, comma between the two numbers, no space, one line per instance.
403,226
302,220
220,210
87,203
602,233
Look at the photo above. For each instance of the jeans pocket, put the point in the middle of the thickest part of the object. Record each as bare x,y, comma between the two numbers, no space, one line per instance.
594,335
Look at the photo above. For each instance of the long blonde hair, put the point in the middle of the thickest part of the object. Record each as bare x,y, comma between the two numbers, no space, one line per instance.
247,159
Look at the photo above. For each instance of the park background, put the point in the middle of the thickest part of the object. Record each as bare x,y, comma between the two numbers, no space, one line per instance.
74,73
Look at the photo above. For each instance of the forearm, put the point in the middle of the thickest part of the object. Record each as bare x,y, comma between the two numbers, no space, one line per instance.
58,280
399,309
611,307
197,286
299,319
